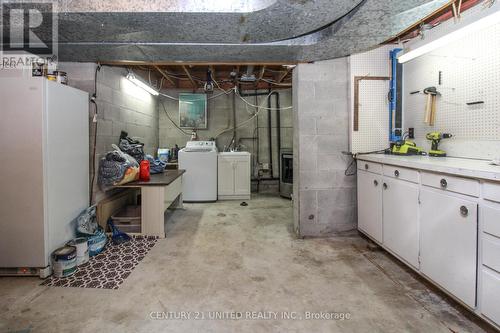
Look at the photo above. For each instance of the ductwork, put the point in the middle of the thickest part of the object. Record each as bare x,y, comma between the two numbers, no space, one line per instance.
275,31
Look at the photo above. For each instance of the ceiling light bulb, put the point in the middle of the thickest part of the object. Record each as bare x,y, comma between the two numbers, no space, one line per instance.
132,78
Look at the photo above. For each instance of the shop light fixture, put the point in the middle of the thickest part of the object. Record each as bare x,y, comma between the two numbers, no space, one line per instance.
475,26
132,78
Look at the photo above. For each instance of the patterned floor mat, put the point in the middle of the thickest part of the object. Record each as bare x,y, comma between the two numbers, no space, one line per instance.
108,269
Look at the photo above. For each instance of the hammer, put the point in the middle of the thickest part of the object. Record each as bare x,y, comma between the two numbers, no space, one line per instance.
430,107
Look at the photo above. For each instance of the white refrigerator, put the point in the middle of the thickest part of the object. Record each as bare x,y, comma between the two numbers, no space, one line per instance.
44,170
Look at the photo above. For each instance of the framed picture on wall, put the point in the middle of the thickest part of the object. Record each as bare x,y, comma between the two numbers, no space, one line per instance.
193,111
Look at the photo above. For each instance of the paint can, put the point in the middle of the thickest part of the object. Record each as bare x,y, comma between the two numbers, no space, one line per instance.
61,77
38,69
64,261
82,250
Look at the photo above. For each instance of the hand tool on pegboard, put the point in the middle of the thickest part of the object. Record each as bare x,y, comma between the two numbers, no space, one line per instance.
430,106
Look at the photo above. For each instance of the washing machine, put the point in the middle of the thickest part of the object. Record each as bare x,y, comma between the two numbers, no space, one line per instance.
199,159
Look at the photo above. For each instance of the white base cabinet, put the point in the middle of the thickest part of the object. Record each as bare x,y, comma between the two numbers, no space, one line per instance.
370,204
490,254
449,243
446,227
400,206
233,176
388,211
490,294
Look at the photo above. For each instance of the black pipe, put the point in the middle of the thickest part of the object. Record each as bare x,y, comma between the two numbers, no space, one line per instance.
270,93
234,121
278,127
242,94
270,132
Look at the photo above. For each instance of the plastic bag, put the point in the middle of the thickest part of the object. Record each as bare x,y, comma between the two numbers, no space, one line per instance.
117,168
133,148
86,226
86,222
156,166
97,242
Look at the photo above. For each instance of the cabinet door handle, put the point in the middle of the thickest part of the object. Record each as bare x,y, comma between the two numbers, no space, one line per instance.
375,182
396,173
464,211
366,166
443,183
385,186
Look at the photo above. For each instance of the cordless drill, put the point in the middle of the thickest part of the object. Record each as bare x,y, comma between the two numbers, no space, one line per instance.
436,137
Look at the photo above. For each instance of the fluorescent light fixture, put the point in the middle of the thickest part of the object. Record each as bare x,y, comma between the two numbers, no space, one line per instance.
132,78
475,26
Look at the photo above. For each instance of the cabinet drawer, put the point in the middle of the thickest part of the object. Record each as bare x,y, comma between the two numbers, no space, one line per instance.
451,183
410,175
490,295
370,166
491,191
491,252
491,220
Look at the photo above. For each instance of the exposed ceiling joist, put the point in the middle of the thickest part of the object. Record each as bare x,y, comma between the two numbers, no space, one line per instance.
283,75
443,13
164,75
212,69
190,77
261,74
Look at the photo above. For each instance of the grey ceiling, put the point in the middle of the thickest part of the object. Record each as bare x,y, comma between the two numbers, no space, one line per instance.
278,31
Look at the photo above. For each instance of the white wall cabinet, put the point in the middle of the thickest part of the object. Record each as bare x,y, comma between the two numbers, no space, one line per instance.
400,206
370,204
449,243
233,176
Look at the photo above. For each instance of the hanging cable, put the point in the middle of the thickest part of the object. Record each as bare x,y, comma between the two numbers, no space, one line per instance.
276,83
260,107
172,121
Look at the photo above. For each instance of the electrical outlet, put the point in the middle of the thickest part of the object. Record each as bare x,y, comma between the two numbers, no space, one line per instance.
411,133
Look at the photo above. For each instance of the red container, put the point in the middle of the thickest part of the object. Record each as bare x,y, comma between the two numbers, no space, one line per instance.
144,173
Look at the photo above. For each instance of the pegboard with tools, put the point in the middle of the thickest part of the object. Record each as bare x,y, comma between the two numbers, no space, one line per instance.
464,73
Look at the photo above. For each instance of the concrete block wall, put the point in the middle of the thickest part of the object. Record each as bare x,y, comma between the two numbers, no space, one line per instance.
121,106
220,117
324,198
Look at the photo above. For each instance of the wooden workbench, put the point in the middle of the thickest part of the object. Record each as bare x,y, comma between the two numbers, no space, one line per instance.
157,194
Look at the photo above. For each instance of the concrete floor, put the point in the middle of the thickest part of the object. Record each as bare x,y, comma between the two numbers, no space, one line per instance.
224,257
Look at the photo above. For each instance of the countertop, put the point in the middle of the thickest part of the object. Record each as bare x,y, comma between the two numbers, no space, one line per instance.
160,179
451,165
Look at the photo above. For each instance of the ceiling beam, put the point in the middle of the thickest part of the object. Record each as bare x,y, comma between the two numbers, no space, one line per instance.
283,75
212,69
165,75
181,63
261,73
195,86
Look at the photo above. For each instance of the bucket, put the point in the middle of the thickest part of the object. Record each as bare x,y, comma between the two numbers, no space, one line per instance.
82,250
64,261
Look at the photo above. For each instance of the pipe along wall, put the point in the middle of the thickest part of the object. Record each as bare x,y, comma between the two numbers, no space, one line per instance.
263,137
